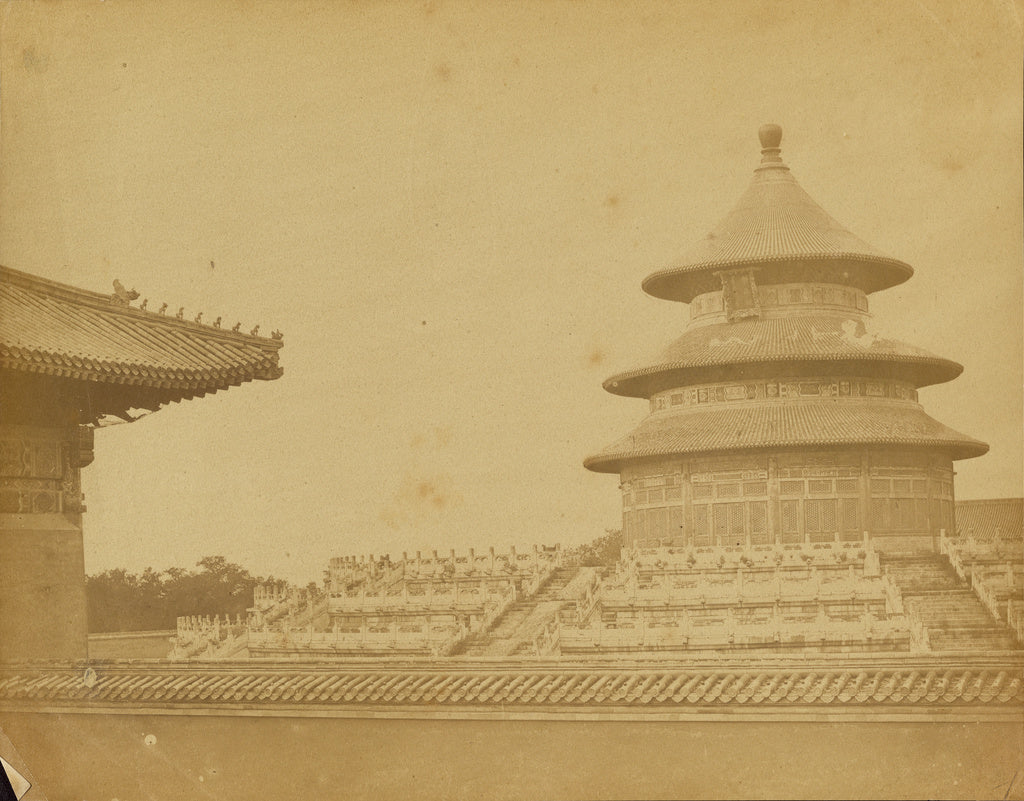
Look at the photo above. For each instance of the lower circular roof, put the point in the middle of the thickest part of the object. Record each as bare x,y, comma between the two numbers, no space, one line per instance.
784,425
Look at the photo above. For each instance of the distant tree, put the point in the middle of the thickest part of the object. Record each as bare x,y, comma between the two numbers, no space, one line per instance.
122,601
603,551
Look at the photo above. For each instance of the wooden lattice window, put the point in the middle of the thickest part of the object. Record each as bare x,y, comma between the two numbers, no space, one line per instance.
675,523
879,513
721,520
847,485
701,529
759,522
791,519
850,513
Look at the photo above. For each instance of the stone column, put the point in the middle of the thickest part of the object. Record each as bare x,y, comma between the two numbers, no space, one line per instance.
42,561
774,517
865,493
687,501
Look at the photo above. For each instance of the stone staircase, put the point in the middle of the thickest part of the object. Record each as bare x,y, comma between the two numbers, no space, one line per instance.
956,620
513,632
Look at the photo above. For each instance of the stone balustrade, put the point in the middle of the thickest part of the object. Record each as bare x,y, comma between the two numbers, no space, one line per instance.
348,571
665,558
455,596
418,637
993,566
393,623
1015,618
996,590
738,586
198,635
546,641
686,633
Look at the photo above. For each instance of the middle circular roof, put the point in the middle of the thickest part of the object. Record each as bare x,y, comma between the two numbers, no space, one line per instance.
763,345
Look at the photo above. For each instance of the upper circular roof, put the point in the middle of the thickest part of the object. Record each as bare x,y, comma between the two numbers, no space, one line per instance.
777,223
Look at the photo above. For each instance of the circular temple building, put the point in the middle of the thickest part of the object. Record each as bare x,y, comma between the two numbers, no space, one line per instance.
778,417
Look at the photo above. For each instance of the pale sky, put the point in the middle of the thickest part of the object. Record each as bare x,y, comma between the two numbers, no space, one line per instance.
448,209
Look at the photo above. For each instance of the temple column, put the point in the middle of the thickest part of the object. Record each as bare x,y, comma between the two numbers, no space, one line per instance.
42,559
686,494
865,492
774,527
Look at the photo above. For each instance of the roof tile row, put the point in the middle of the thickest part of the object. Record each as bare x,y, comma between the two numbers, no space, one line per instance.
53,329
776,424
610,688
986,518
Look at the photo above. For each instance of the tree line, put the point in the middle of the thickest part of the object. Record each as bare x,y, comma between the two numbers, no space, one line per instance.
122,601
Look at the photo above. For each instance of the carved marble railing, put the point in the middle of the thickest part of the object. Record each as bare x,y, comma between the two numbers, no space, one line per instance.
546,641
996,591
416,637
669,559
968,555
1015,618
919,639
538,577
496,607
586,605
450,596
198,635
690,634
893,596
737,587
350,572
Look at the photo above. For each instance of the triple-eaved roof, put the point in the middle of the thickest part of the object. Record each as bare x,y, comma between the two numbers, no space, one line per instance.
52,329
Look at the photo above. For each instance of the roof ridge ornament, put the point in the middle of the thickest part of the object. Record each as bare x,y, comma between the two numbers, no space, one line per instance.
770,135
122,296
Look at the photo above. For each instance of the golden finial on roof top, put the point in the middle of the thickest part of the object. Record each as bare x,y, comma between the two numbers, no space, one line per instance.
771,137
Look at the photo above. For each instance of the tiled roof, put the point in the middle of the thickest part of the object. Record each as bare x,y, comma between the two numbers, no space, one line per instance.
985,518
530,687
777,221
58,330
779,424
823,338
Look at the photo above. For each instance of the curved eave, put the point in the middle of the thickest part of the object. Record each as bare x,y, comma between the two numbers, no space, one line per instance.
63,332
869,273
801,424
643,382
127,374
